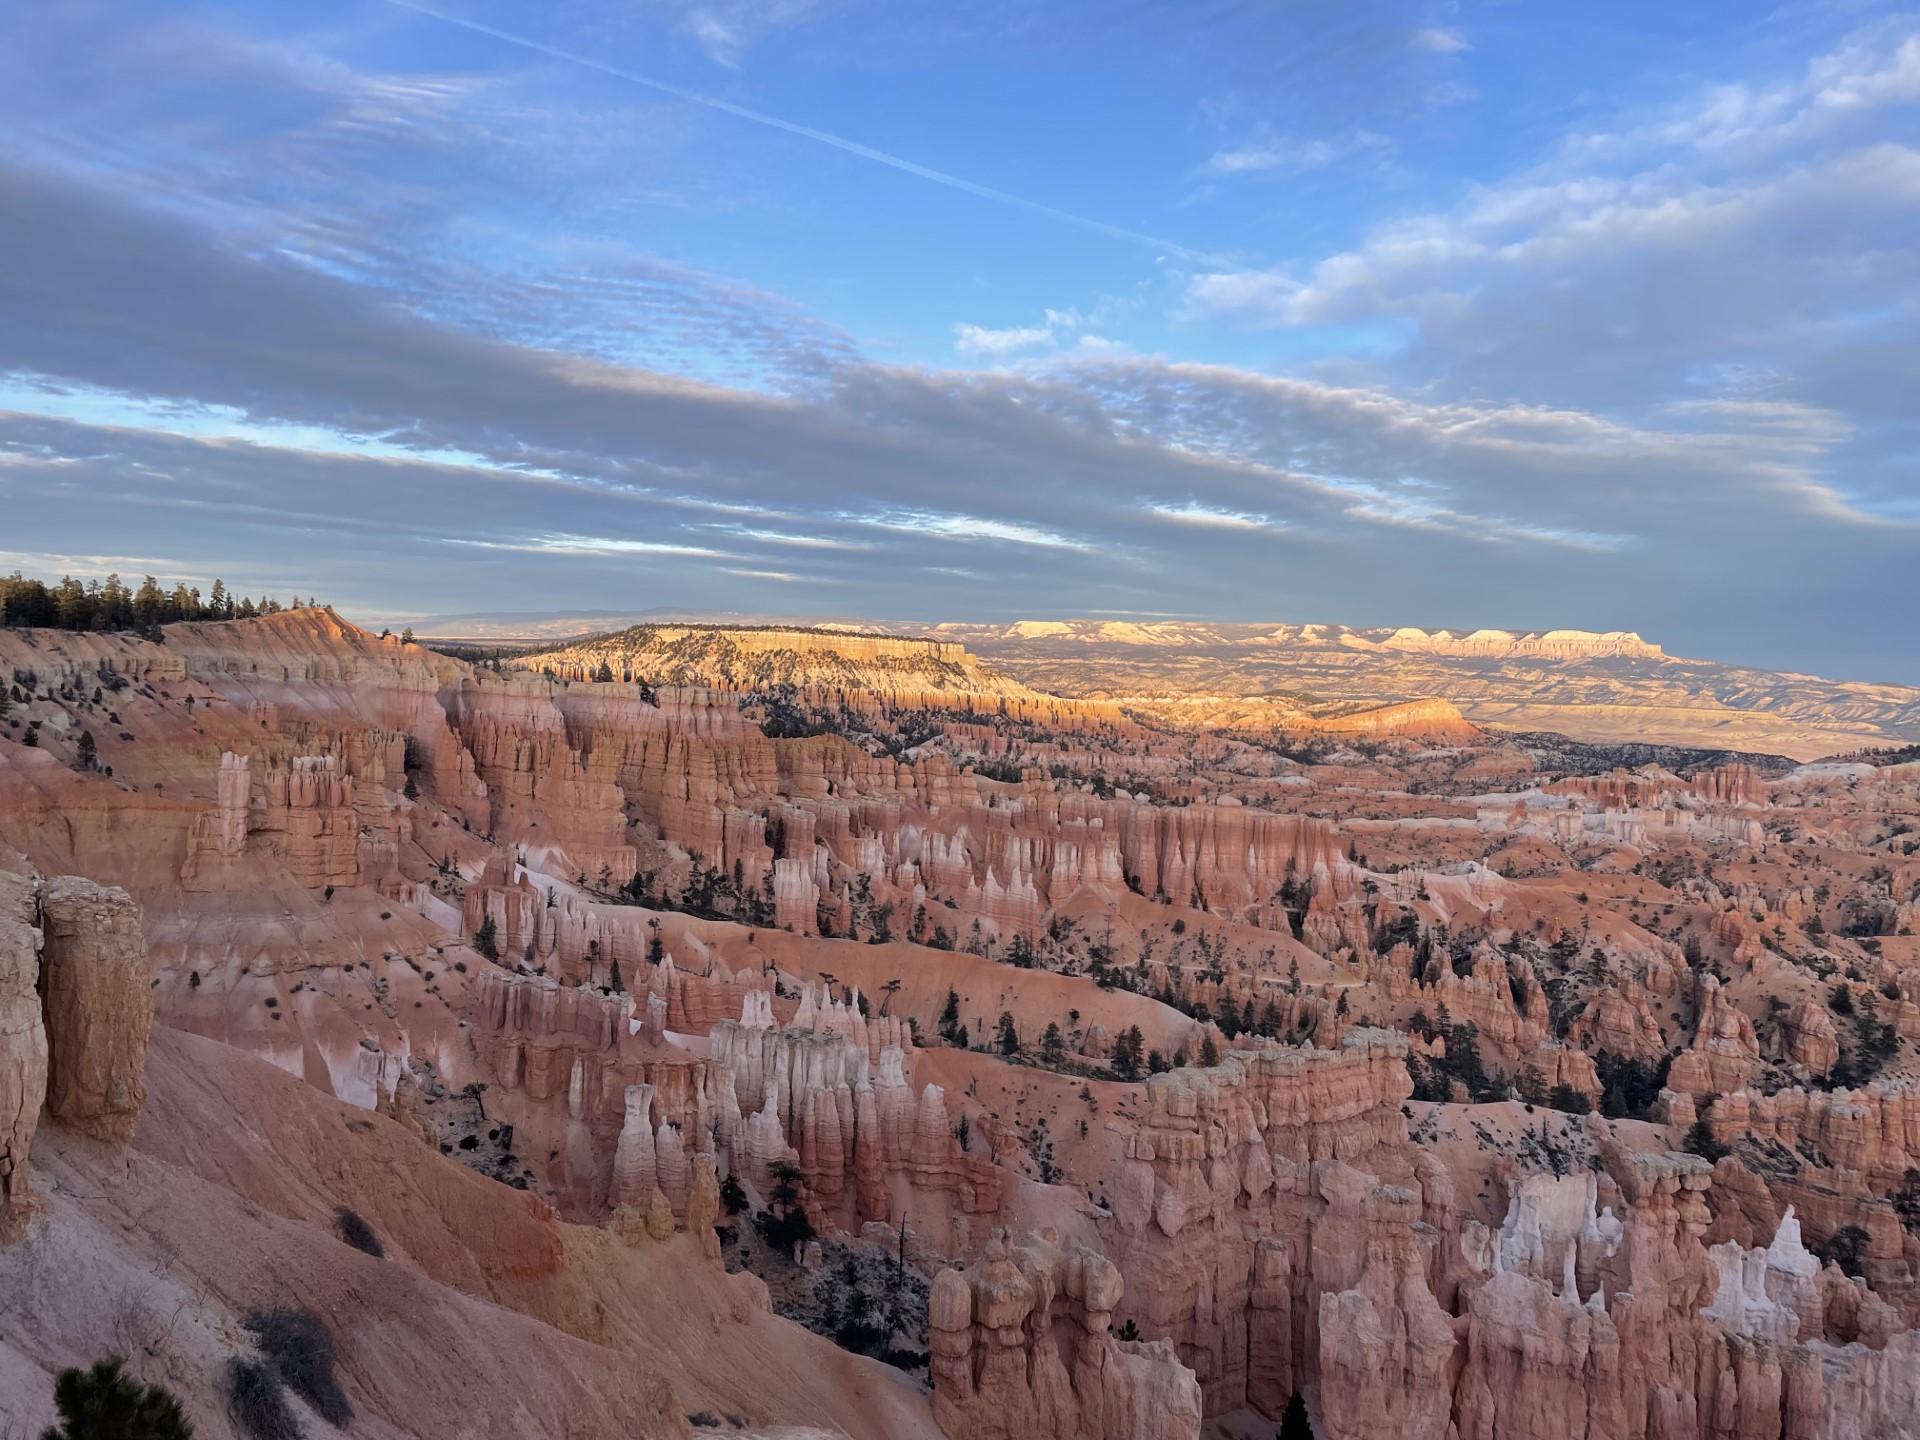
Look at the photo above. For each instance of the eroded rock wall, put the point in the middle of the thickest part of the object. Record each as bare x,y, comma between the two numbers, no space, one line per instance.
1023,1349
98,990
23,1042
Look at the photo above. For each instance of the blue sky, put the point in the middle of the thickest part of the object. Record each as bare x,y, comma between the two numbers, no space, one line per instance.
1400,313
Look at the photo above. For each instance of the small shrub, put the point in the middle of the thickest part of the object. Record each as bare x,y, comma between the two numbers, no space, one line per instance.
1906,1201
862,1334
1565,1097
298,1343
102,1403
1846,1247
1700,1141
783,1232
357,1233
257,1400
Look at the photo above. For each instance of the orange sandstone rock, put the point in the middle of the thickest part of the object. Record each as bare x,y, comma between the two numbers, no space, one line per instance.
23,1043
99,1007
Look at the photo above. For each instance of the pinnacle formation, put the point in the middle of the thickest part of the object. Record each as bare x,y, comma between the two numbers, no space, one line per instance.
1070,1029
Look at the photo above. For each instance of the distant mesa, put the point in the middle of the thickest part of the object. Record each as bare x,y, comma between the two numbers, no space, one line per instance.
1475,644
1601,687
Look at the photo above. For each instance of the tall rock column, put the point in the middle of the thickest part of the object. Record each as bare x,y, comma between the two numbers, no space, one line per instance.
98,992
1004,1370
635,1171
23,1046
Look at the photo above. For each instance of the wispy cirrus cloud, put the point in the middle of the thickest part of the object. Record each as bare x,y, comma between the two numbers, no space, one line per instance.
1264,152
1438,39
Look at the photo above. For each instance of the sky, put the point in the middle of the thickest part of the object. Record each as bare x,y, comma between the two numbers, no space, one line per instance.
1380,312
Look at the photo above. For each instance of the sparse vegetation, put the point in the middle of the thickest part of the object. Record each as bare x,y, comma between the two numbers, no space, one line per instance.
1700,1141
102,1402
300,1346
257,1400
111,605
355,1231
1846,1247
784,1223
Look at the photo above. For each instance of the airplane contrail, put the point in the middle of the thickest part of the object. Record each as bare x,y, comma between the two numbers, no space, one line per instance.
825,137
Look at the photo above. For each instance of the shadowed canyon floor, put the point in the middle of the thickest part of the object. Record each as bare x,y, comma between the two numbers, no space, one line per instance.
760,1030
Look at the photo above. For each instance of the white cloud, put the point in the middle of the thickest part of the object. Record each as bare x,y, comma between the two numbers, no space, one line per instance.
594,545
978,340
1190,513
805,542
1269,155
1061,325
1871,71
725,30
1263,151
1725,168
1440,41
972,527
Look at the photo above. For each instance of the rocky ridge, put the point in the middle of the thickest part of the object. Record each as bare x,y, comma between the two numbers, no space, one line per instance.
1607,688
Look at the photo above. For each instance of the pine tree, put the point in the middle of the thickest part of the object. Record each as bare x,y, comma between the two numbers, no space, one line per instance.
1700,1141
1007,1037
102,1403
486,939
1294,1424
85,756
1209,1052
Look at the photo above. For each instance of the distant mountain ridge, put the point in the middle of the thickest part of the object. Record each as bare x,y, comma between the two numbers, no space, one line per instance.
761,656
1608,687
1478,644
920,671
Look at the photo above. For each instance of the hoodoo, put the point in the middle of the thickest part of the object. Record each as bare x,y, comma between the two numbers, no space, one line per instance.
1101,1075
